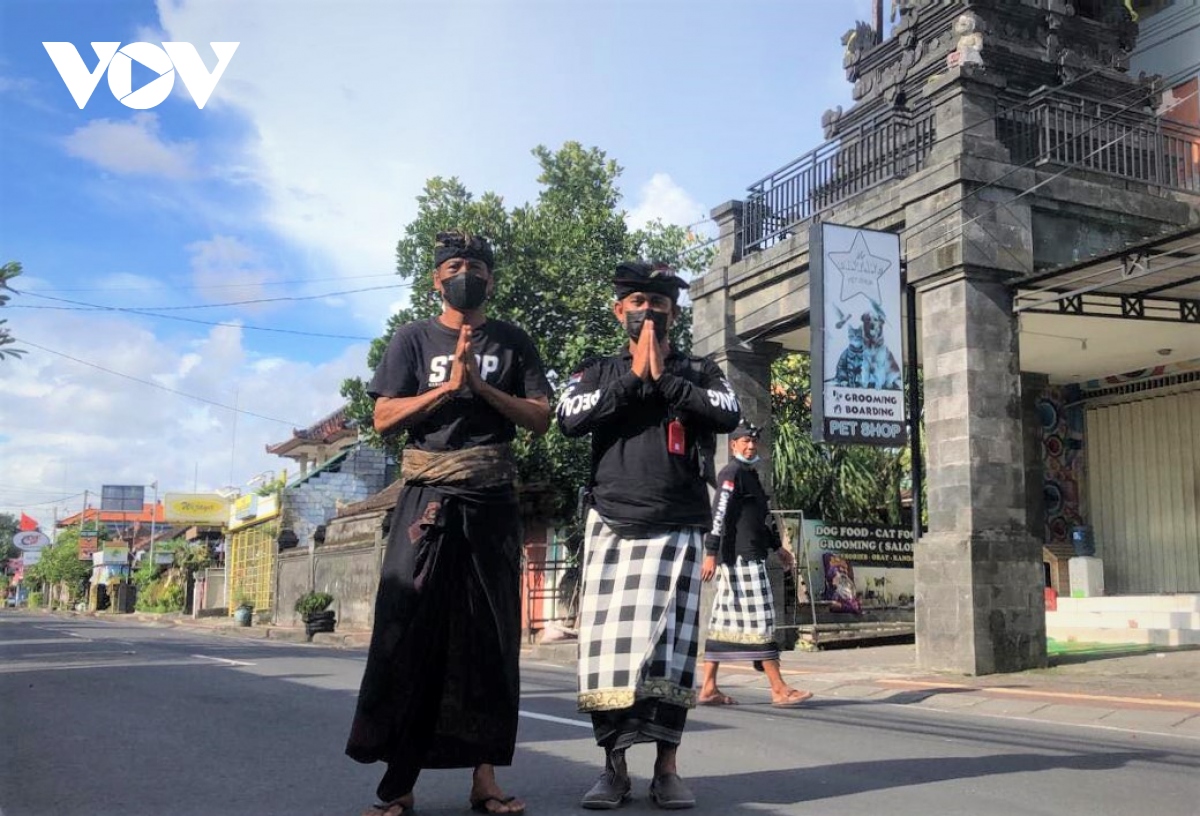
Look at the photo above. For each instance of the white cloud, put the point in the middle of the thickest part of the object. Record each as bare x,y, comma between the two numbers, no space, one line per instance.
69,425
132,148
662,198
222,259
16,84
330,160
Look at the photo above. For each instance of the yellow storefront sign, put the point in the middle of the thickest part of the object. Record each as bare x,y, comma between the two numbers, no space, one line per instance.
196,508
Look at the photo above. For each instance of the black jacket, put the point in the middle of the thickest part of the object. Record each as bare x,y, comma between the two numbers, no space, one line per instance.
636,481
742,521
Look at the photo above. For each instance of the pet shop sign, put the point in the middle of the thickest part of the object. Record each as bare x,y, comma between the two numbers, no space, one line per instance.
858,380
866,545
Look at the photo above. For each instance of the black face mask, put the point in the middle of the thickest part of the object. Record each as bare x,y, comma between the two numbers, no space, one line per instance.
634,321
465,291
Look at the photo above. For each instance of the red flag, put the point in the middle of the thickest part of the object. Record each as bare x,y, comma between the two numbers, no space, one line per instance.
27,524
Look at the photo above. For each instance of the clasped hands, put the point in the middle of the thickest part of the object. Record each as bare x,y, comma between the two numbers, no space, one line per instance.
464,372
647,354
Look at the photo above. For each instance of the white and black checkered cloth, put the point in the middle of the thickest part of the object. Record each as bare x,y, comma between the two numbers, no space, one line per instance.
742,624
640,618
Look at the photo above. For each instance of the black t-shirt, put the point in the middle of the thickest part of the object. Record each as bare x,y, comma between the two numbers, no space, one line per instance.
742,521
420,357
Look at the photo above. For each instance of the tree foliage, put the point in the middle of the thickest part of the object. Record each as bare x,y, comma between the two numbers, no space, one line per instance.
555,257
7,273
834,483
8,529
60,564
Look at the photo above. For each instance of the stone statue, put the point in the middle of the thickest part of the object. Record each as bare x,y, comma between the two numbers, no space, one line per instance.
969,50
858,41
830,121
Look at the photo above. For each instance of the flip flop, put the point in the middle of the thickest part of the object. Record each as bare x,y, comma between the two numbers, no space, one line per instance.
717,700
481,805
795,698
389,809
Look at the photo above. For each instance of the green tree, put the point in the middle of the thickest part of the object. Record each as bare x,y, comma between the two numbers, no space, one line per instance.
7,273
829,482
60,565
554,262
8,528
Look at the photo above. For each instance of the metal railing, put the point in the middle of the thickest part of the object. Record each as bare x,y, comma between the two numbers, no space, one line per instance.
551,587
891,147
1101,138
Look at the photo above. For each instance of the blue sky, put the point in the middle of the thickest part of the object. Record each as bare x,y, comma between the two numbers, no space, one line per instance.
297,177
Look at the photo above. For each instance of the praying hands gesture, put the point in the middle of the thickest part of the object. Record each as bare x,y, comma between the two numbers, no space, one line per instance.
648,354
464,374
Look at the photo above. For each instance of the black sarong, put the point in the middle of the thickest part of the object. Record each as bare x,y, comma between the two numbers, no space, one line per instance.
441,685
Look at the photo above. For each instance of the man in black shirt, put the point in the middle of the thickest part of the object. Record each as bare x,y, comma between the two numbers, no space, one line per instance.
650,411
742,626
441,683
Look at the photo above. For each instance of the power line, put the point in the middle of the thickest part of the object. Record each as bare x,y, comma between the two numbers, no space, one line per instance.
1025,192
248,327
1004,205
40,491
159,386
45,503
287,299
246,285
913,230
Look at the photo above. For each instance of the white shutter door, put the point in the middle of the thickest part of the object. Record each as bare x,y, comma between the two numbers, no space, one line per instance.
1143,466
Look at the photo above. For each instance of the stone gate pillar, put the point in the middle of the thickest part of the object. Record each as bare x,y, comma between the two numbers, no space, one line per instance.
747,365
980,605
979,579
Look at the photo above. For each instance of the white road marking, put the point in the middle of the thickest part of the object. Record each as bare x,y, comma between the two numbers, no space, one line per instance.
35,642
533,715
113,664
224,660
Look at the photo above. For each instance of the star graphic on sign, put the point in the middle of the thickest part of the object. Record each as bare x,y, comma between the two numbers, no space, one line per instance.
860,270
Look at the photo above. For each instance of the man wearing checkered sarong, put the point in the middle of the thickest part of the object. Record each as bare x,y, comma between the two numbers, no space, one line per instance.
651,411
742,626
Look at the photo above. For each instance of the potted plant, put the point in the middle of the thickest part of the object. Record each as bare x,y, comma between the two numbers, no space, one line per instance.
313,608
244,613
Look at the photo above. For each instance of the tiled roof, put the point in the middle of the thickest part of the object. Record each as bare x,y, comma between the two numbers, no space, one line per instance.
94,514
328,429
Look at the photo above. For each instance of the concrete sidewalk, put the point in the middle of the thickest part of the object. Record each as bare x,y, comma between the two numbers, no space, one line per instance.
1151,691
1146,691
222,626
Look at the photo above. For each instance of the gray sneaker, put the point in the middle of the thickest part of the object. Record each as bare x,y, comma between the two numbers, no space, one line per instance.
610,792
669,792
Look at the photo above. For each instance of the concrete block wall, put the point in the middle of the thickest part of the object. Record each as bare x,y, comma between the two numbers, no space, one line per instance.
317,500
294,578
351,576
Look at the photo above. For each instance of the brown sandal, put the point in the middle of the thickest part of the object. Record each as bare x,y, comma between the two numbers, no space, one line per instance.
397,807
794,698
481,805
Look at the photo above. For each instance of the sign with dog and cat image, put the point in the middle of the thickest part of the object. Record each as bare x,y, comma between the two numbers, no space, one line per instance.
857,372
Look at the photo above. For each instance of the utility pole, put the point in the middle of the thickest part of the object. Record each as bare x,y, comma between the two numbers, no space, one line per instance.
153,519
83,515
878,5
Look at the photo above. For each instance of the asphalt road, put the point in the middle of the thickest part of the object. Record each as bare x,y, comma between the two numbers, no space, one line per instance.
101,717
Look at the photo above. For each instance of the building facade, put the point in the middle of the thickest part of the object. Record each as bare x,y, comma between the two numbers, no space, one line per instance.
1047,212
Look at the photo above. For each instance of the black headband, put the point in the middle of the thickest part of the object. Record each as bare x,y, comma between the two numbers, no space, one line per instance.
637,276
744,430
457,244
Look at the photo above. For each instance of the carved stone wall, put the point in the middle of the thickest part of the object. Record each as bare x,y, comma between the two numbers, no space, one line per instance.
1029,44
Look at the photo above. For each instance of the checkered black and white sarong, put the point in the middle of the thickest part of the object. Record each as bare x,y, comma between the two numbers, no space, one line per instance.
742,625
640,618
